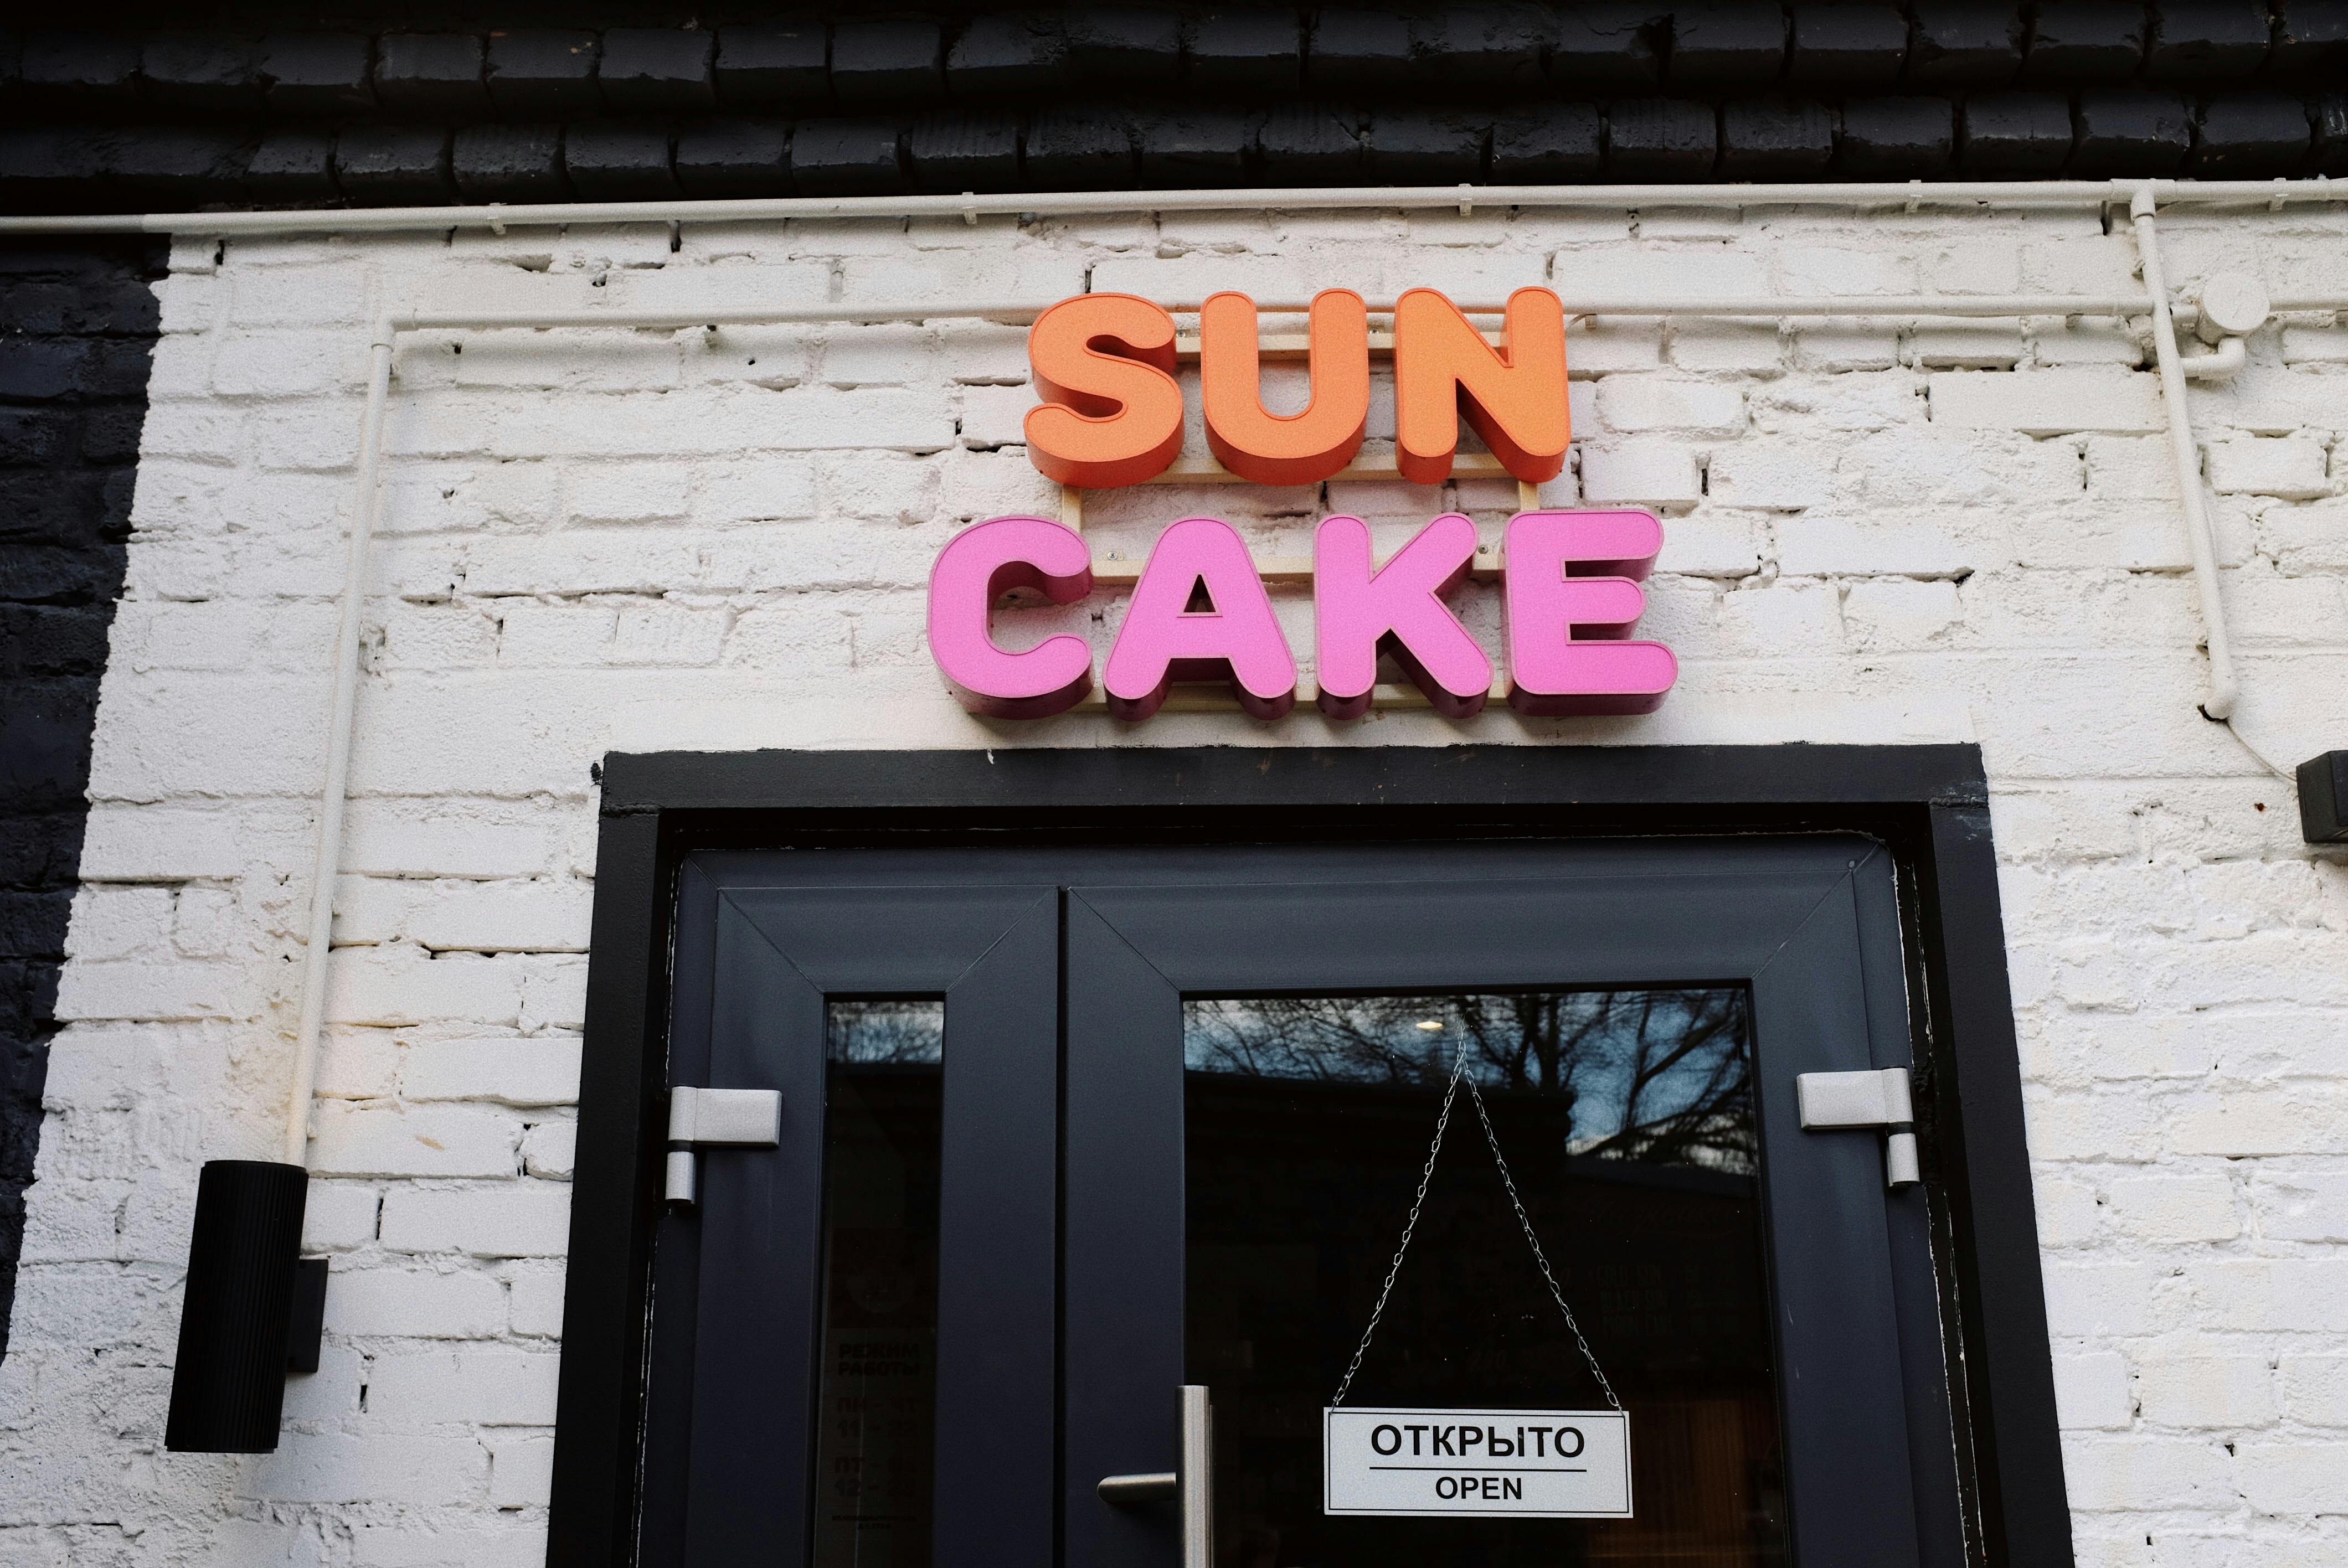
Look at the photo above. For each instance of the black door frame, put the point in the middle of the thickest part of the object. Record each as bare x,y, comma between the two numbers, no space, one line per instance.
1928,803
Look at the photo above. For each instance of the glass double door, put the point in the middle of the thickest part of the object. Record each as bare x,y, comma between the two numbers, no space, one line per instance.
1066,1131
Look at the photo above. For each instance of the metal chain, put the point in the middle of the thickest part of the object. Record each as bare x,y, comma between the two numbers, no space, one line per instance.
1425,1174
1539,1256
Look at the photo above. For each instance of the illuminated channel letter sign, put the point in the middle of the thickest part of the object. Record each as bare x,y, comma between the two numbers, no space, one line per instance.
1111,414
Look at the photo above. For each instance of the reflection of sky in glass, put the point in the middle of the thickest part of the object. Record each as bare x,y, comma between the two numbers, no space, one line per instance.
1658,1076
885,1033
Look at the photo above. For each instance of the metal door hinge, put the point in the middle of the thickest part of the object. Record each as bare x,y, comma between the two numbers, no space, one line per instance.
1880,1098
721,1117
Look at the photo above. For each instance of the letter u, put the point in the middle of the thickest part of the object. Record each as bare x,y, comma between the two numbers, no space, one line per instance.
1285,448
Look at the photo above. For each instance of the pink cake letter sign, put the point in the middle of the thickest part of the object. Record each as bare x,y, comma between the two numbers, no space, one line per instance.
1111,415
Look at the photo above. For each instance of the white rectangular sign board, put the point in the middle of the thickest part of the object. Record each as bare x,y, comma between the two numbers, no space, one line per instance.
1502,1464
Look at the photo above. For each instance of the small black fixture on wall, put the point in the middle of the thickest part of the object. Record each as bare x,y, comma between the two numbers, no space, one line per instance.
2324,798
255,1311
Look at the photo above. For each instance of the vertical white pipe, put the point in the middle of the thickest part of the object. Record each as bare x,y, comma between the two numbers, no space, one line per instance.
365,506
2225,690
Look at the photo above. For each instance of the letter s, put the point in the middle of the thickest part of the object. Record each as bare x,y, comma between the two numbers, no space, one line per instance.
1111,414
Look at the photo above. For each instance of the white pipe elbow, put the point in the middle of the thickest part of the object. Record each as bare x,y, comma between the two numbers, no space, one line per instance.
2225,694
2230,355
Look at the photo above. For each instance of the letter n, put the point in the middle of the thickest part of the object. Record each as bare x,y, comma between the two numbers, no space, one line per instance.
1514,397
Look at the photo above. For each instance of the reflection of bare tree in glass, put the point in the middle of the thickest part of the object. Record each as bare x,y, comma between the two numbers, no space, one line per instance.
885,1033
1688,1096
1655,1076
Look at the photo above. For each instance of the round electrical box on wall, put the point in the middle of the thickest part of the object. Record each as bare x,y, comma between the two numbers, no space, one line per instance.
2233,305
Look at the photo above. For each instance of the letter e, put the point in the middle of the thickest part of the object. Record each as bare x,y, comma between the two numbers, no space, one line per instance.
1572,597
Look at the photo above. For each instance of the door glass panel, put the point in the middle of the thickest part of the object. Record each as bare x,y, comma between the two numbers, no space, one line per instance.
1627,1120
876,1403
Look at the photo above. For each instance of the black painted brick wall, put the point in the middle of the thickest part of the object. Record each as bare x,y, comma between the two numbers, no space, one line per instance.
76,335
265,104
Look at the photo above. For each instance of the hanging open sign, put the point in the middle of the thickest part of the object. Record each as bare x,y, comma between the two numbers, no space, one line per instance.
1494,1463
1504,1464
1501,1464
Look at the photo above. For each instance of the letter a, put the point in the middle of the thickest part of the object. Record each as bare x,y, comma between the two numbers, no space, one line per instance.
1573,599
1285,448
1397,609
1163,640
1513,396
979,566
1111,414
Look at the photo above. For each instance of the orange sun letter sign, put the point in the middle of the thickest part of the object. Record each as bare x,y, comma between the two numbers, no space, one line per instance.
1513,396
1111,414
1285,448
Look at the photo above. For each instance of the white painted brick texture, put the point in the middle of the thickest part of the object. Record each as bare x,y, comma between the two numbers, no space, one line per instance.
596,540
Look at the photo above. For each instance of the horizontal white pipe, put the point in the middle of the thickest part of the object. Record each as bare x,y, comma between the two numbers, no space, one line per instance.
1957,305
717,316
2010,193
1873,306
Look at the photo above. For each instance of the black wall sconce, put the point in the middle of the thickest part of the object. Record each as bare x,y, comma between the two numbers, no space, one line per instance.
2324,798
255,1311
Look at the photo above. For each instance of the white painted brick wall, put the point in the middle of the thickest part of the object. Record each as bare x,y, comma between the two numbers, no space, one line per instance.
1875,532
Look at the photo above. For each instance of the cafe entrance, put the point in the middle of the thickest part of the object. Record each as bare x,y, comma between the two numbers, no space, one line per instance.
1061,1200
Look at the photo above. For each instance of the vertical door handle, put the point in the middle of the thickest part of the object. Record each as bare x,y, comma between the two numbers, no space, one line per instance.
1192,1486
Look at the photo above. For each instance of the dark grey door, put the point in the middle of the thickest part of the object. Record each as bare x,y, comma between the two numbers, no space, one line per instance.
1066,1129
1253,1067
837,1320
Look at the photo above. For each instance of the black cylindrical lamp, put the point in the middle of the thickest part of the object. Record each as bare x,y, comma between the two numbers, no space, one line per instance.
228,1389
2324,798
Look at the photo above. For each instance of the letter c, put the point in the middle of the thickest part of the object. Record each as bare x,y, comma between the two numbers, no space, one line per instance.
980,565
